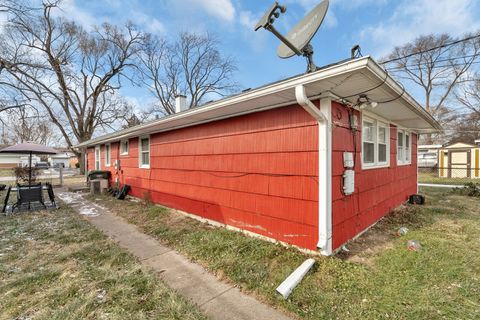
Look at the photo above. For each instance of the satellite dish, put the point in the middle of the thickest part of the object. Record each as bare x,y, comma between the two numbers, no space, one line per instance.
297,41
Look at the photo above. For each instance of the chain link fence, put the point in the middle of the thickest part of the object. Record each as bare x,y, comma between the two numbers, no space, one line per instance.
453,175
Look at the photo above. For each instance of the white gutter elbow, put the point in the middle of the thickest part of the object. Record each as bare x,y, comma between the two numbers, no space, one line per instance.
308,105
323,116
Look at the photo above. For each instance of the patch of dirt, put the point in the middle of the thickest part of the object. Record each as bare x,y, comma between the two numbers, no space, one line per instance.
368,245
379,237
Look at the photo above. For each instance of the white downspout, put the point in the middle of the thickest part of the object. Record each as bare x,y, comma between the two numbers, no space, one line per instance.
323,116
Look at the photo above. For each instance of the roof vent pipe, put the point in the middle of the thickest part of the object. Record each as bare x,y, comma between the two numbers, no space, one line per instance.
180,103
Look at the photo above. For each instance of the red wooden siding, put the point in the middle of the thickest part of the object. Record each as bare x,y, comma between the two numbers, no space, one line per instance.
377,191
257,172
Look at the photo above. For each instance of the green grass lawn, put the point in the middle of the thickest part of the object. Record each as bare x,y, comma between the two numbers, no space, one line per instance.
55,265
378,279
432,177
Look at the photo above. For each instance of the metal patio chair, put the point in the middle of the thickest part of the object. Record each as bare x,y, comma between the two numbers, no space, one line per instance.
28,195
51,195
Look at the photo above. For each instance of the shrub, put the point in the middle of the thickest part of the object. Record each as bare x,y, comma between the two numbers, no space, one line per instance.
22,174
469,189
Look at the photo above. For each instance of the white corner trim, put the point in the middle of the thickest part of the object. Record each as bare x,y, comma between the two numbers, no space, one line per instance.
323,117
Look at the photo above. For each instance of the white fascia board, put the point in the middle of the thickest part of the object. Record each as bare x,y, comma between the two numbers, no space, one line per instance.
291,83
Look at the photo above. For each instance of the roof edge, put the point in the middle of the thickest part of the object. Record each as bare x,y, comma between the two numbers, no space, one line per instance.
330,70
402,93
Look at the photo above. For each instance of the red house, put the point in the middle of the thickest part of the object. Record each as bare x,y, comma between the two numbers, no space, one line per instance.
311,161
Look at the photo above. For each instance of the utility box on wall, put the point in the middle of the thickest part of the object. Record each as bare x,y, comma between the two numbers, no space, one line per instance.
349,173
348,181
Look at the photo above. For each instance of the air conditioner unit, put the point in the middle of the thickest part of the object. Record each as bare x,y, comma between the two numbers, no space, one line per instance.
98,186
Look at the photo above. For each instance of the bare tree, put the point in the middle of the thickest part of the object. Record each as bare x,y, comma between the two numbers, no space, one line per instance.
469,94
25,124
70,73
193,66
435,64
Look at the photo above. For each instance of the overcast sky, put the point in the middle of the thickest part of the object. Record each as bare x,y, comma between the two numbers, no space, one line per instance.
376,25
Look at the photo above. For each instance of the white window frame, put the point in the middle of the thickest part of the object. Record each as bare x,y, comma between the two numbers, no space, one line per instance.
126,143
97,158
377,122
140,164
407,148
108,154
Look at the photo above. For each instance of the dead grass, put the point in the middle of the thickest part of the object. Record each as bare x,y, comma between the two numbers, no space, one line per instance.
55,265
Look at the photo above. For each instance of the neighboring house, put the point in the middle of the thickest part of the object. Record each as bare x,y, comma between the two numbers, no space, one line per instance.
275,160
428,155
10,160
65,158
459,160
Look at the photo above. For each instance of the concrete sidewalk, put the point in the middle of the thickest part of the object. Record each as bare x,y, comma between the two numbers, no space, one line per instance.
216,299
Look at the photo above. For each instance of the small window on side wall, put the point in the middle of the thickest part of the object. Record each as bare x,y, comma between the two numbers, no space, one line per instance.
144,152
403,147
124,147
375,143
97,158
107,155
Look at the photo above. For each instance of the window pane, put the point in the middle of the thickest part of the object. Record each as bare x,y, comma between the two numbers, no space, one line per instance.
368,152
382,135
144,144
368,131
407,147
382,153
145,158
400,139
124,147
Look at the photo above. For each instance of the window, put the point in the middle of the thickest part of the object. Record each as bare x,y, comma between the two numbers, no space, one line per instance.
107,155
144,148
124,147
382,143
403,147
97,158
375,143
368,142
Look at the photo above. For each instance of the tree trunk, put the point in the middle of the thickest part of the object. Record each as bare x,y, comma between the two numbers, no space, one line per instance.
81,155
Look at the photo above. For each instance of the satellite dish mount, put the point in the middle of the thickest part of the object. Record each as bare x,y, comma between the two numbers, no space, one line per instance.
297,41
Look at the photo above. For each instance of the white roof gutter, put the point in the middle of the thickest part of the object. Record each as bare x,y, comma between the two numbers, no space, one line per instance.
323,117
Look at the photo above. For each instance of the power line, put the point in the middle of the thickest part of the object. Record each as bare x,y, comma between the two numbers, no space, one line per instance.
433,48
397,69
436,61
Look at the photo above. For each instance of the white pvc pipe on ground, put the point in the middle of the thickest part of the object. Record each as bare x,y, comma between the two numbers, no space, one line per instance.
287,286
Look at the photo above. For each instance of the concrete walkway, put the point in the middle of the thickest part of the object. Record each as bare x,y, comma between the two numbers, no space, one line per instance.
216,299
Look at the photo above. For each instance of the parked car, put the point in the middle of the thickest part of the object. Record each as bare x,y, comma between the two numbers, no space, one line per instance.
59,165
42,165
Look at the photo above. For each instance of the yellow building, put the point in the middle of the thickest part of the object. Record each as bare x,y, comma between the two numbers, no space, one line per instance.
459,160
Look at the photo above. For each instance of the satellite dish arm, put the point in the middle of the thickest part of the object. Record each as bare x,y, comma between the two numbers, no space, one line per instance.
267,22
272,29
